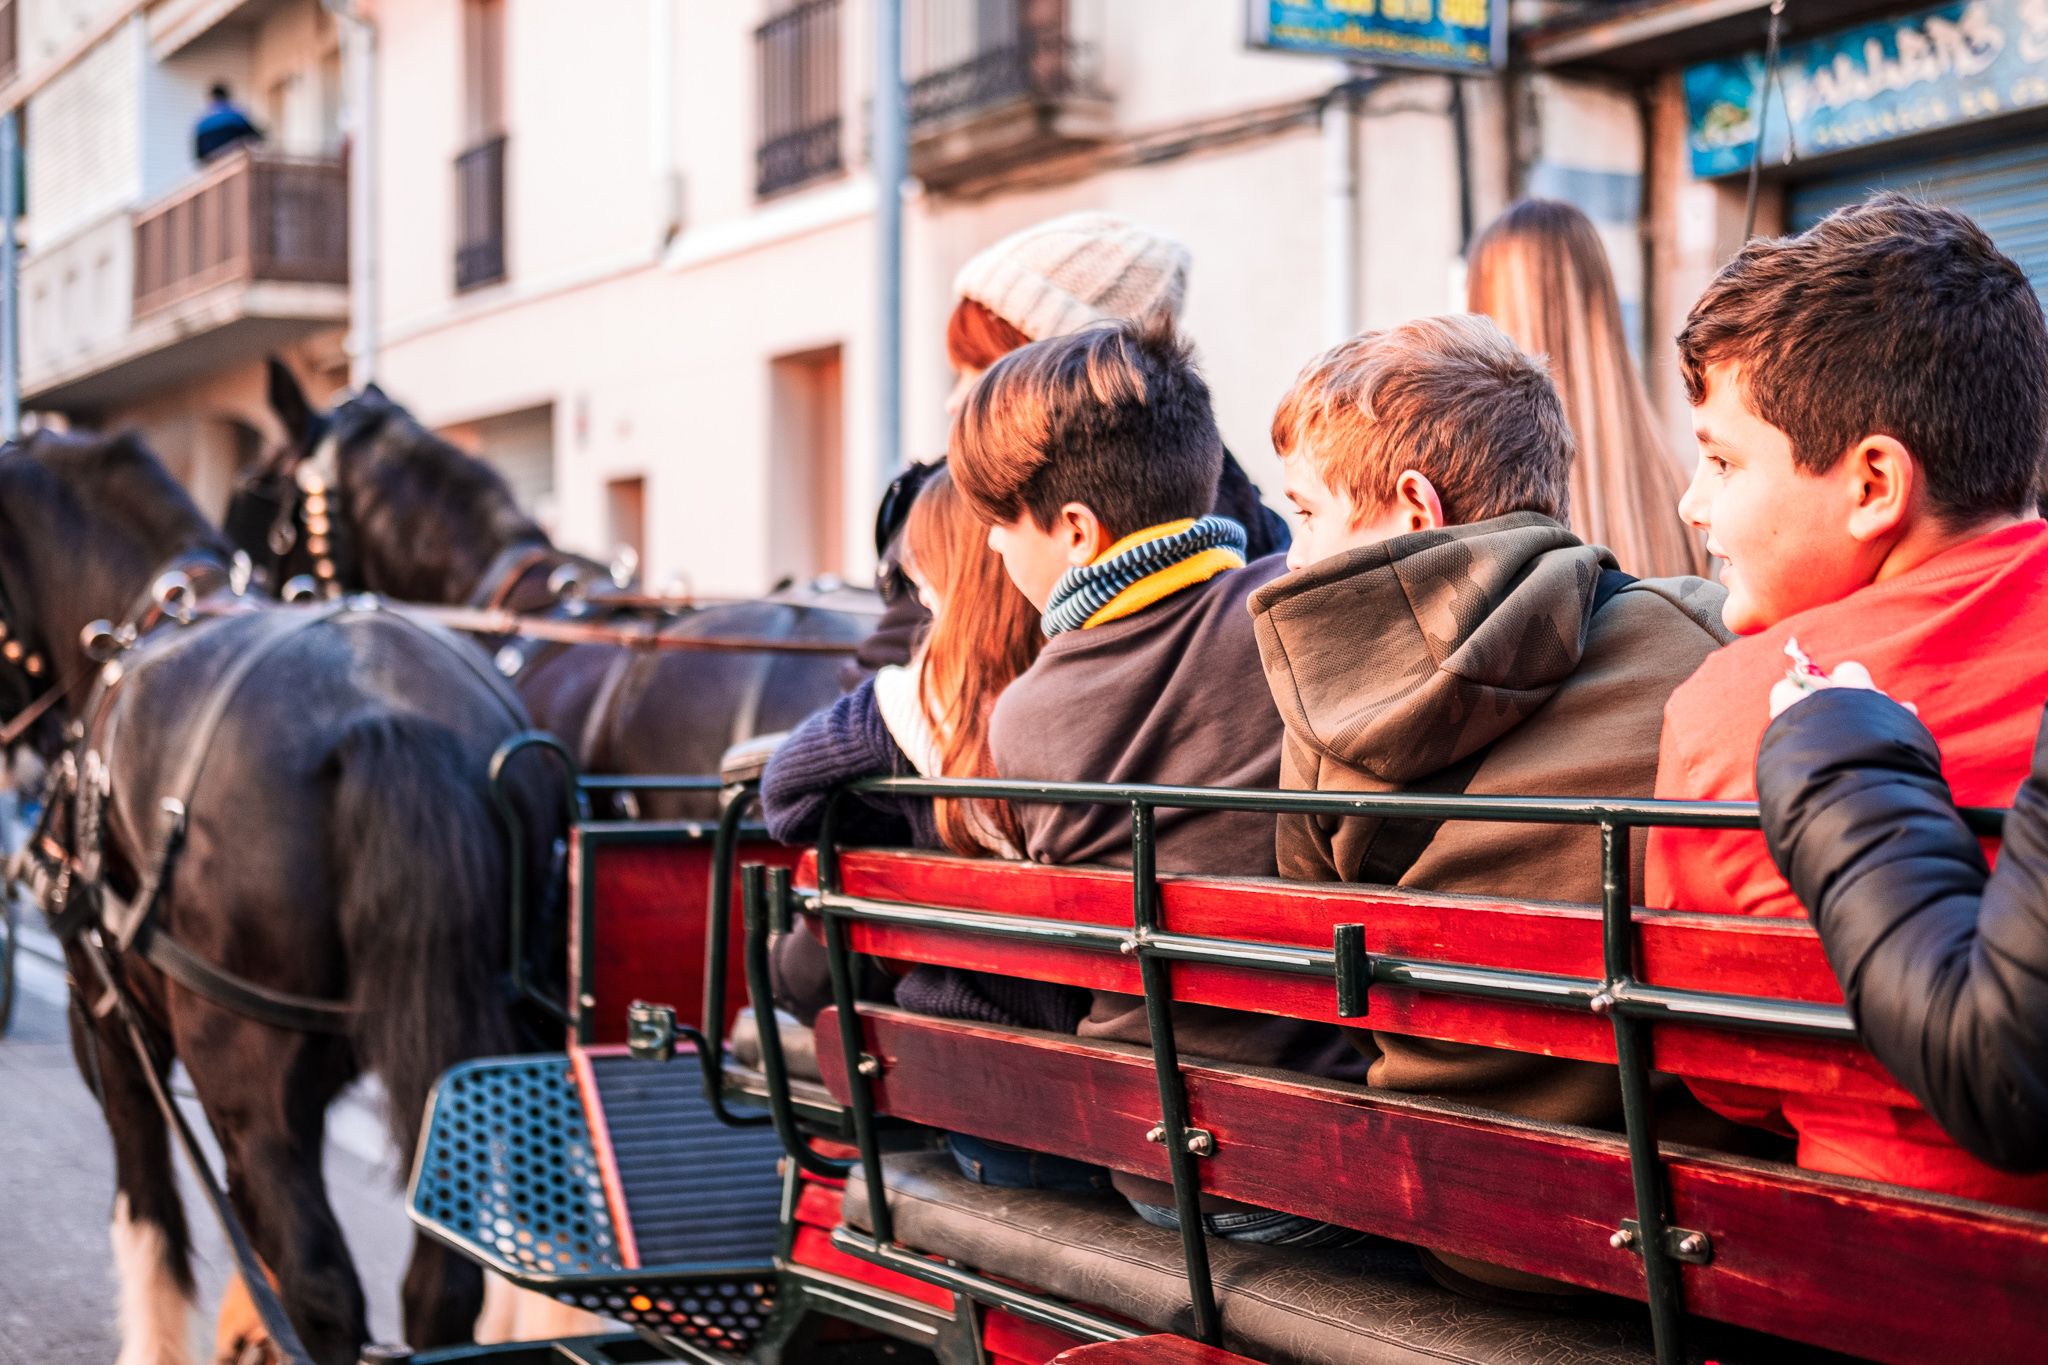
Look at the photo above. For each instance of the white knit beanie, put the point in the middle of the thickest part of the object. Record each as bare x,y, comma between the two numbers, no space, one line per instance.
1062,274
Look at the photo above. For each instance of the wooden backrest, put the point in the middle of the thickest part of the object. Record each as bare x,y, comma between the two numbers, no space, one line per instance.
1731,955
1837,1263
640,900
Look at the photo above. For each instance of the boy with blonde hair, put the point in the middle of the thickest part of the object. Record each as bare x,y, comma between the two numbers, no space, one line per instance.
1444,632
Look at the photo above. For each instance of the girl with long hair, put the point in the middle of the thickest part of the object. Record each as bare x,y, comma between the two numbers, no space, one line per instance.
1542,274
929,718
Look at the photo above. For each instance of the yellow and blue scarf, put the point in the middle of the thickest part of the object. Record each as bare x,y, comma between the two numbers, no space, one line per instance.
1142,568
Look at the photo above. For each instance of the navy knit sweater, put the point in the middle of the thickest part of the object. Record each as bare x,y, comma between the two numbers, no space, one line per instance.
845,741
849,740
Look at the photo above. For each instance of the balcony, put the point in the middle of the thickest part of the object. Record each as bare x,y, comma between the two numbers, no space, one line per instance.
798,55
249,255
249,216
995,84
480,215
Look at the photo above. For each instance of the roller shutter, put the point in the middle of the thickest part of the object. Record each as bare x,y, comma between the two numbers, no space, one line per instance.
2005,188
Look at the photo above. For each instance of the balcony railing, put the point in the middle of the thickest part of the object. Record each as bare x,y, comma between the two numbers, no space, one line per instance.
250,216
799,58
993,83
480,215
965,54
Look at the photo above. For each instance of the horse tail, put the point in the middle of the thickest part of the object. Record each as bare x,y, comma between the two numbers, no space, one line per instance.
424,897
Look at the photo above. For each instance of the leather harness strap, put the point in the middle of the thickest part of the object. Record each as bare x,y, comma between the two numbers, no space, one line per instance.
506,571
133,923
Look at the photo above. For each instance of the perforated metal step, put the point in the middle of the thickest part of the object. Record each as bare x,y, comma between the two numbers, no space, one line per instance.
693,1188
509,1174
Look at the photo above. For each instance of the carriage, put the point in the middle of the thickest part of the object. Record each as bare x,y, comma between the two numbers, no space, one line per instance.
729,1191
728,1188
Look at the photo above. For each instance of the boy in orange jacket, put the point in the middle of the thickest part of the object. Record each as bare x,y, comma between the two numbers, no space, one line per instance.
1871,404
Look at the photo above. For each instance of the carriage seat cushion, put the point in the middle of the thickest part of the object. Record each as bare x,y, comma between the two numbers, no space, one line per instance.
799,1045
1369,1305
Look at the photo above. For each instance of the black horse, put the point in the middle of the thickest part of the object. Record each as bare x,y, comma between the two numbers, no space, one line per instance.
340,845
366,499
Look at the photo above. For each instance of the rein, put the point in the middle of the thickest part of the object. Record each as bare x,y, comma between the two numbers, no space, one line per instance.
489,621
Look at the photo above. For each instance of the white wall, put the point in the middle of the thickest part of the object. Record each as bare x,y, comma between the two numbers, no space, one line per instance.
85,138
657,360
49,27
76,299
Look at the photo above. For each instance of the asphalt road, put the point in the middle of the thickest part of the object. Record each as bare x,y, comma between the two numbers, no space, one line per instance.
57,1187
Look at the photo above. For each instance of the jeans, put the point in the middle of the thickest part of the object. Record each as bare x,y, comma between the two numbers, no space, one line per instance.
1263,1226
1018,1168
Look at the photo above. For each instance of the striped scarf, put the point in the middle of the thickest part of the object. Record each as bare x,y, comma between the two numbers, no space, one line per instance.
1142,568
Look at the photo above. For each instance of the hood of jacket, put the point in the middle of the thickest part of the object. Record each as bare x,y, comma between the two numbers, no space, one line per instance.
1402,658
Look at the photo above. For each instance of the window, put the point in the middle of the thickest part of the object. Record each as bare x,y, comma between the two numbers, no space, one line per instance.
806,475
483,75
798,57
480,169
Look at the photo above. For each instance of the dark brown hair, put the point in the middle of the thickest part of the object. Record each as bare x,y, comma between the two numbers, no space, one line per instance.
1450,397
1114,417
1889,317
984,634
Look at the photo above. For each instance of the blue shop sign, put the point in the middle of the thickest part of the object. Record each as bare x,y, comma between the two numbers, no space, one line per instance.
1434,35
1948,65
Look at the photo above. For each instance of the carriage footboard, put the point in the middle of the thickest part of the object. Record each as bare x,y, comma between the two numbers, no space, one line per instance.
607,1183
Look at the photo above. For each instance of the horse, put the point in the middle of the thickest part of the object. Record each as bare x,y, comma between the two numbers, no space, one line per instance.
362,497
294,799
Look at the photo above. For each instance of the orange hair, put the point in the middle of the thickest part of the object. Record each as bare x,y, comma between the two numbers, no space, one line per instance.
977,338
984,634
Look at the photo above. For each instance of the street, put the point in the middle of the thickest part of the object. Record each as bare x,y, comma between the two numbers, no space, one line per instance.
57,1292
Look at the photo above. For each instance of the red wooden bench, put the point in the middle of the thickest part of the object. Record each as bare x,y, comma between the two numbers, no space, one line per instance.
1148,1351
1841,1264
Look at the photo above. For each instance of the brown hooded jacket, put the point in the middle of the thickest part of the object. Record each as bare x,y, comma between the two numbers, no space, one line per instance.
1393,665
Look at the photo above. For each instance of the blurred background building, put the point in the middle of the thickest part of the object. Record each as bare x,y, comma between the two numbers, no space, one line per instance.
625,250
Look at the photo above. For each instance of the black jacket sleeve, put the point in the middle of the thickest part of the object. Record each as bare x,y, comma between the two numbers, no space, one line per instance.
1944,963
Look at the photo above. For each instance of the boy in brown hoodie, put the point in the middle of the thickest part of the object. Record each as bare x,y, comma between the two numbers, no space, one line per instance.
1443,631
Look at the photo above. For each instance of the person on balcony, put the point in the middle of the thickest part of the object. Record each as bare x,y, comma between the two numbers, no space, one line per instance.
222,126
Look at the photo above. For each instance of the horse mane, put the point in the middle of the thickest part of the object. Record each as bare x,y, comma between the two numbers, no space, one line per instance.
82,483
89,517
449,511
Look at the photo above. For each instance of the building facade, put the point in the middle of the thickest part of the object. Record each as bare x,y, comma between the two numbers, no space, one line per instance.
649,294
152,285
1948,102
627,251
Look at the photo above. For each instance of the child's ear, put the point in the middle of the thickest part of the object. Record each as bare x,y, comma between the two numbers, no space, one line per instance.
1083,533
1882,479
1417,503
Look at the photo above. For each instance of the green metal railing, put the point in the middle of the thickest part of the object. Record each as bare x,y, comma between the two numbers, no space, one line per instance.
1630,1005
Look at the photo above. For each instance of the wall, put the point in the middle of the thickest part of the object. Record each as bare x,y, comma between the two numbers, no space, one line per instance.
84,133
76,299
49,27
658,360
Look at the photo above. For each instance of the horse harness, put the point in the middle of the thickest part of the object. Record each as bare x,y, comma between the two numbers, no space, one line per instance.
68,880
64,863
